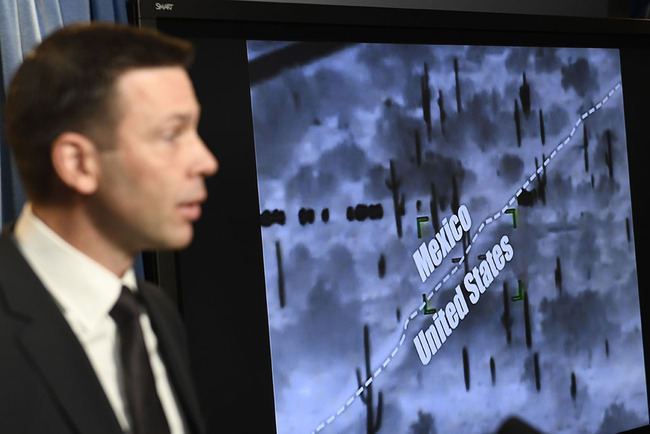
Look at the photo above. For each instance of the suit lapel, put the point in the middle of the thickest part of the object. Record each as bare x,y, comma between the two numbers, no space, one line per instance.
171,340
52,348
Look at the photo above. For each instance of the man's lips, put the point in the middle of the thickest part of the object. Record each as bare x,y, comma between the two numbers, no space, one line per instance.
191,210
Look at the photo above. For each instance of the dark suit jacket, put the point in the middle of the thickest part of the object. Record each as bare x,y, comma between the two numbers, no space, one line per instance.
47,384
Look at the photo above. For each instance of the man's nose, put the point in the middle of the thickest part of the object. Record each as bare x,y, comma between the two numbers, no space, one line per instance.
207,163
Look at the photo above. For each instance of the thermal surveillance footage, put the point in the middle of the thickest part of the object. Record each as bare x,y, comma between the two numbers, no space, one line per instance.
448,239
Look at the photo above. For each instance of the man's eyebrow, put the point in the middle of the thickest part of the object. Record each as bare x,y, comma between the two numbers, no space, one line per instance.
185,116
180,117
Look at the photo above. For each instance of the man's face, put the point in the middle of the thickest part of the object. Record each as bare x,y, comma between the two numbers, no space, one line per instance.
151,183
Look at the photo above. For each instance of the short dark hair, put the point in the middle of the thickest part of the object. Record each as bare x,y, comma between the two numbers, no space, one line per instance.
67,84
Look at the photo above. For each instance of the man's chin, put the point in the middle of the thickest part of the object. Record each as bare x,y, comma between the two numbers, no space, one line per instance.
177,241
183,242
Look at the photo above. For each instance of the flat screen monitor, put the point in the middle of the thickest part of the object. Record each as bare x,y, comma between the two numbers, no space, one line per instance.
424,222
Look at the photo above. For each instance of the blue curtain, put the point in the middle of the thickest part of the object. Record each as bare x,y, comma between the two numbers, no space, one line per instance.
23,24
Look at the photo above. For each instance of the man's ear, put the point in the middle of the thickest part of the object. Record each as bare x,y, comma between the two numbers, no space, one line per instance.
74,158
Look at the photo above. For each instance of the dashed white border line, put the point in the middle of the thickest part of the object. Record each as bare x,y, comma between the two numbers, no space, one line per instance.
480,229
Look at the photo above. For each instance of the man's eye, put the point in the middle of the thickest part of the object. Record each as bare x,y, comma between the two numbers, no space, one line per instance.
172,135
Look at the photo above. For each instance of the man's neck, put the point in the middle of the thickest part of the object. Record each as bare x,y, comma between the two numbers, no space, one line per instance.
75,228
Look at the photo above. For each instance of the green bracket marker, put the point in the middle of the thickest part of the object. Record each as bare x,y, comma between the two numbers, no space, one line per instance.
420,221
427,311
513,211
520,293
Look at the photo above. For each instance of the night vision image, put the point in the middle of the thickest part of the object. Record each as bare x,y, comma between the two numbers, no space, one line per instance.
448,238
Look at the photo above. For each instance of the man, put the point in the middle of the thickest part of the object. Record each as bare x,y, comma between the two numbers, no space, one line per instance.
102,120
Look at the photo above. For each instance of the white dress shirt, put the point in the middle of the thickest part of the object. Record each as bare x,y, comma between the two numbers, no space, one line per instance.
85,291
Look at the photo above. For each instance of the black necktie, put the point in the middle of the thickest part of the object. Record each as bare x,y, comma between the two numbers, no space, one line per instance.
147,415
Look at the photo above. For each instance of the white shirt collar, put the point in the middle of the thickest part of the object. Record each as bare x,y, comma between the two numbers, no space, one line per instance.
81,286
